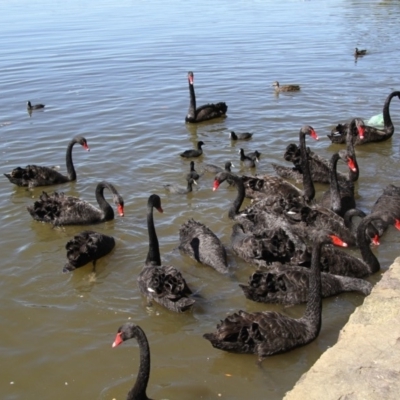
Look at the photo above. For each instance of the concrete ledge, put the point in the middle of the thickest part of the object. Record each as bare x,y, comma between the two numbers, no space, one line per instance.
365,362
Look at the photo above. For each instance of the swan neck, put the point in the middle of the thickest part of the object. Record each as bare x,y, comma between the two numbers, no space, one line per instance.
68,161
237,203
314,305
139,389
334,185
366,253
192,104
308,184
387,120
153,256
103,204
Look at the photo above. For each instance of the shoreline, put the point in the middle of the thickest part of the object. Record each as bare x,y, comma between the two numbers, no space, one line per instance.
364,364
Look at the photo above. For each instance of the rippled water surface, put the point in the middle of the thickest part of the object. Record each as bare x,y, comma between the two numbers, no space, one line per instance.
115,72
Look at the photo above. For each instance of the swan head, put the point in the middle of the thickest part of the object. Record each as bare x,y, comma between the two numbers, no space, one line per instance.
190,77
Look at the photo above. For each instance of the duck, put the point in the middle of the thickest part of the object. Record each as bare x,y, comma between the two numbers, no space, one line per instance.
285,88
201,244
128,331
163,284
205,112
87,246
358,53
194,152
371,133
60,209
214,169
247,161
240,136
35,175
31,107
268,332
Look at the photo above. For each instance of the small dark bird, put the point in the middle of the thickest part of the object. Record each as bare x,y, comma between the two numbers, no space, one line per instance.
179,189
31,107
192,173
255,155
285,88
193,152
247,161
240,136
358,53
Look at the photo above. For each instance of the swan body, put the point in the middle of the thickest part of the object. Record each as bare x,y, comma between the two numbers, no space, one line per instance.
267,333
289,285
285,88
205,112
371,133
129,331
34,175
387,203
85,247
163,284
201,244
240,136
193,152
31,107
60,209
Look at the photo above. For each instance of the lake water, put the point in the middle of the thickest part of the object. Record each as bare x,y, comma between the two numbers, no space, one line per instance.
115,72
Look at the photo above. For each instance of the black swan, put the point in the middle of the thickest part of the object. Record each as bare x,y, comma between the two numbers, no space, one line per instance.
201,244
358,53
337,262
192,173
31,107
163,284
290,285
214,169
319,166
205,112
240,136
340,197
266,185
193,152
129,331
34,175
371,134
303,220
85,247
267,333
285,88
60,209
247,161
178,189
387,203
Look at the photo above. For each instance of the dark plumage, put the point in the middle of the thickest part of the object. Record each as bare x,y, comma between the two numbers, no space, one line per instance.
247,161
370,133
289,285
162,283
85,247
267,333
201,244
192,173
240,136
31,107
193,152
34,175
129,331
214,169
59,209
205,112
358,53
